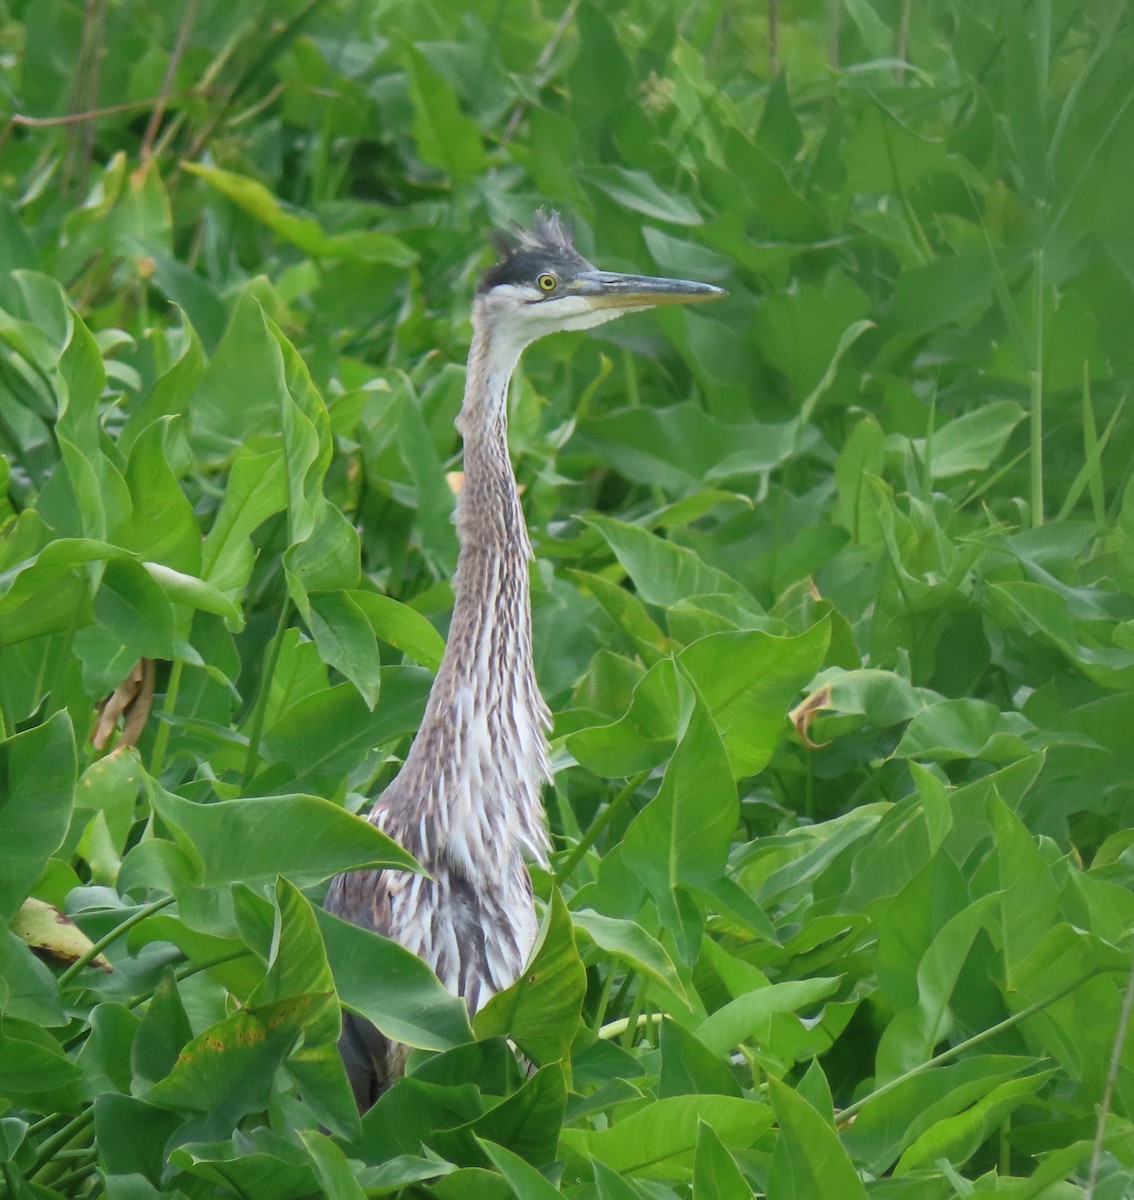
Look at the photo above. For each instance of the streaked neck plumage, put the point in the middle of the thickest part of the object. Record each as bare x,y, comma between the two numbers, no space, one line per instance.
480,756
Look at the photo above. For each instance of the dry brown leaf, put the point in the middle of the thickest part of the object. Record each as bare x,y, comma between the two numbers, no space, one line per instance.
47,930
806,711
130,702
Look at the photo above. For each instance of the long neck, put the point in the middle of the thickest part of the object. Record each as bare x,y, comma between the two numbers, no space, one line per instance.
480,756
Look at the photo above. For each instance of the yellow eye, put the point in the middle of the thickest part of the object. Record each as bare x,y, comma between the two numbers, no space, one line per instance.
547,282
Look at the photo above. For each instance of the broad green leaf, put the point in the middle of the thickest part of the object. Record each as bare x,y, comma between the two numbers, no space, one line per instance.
334,1172
683,835
749,681
255,491
346,641
637,191
28,989
37,771
715,1173
258,1164
643,737
751,1015
909,1038
303,231
540,1011
401,626
132,1135
628,941
686,448
658,1140
163,1034
808,1159
392,988
328,732
226,1072
445,137
131,605
956,1138
973,441
524,1180
887,1125
689,1066
254,839
192,592
663,572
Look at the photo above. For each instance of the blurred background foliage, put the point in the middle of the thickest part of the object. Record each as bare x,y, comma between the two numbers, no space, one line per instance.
877,949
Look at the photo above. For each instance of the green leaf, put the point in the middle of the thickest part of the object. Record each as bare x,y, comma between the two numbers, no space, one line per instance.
256,490
226,1072
689,1066
28,990
303,231
131,606
658,1139
38,769
909,1039
254,839
629,942
685,448
751,1015
715,1173
973,441
445,137
163,1034
392,988
524,1180
401,626
346,641
540,1011
638,192
749,681
958,1137
808,1159
192,592
682,836
337,1179
663,572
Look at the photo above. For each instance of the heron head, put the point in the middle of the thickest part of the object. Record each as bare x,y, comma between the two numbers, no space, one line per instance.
542,285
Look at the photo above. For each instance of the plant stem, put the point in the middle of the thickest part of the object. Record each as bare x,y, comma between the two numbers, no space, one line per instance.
99,946
598,825
49,1145
1111,1080
259,713
1035,379
161,739
956,1051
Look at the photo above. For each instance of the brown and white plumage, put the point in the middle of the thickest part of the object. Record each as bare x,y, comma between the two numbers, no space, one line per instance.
466,802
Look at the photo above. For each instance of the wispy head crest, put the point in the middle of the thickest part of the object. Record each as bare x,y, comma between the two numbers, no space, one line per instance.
524,250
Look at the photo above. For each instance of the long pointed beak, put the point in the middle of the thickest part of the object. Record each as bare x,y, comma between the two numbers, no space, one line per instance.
608,289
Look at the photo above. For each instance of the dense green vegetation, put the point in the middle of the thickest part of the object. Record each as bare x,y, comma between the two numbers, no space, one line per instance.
878,947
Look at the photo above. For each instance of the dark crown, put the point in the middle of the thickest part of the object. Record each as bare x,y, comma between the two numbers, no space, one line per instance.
527,252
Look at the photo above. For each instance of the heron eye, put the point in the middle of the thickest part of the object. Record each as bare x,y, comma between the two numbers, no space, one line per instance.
547,282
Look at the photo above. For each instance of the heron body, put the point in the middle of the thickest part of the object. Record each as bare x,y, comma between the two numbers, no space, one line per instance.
466,802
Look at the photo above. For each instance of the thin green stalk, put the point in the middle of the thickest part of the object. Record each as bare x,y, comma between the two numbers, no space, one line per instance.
7,727
86,959
960,1048
50,1145
598,825
259,713
603,1001
1111,1079
1035,380
161,740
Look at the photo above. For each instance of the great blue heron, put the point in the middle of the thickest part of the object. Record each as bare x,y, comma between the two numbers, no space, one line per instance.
466,802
